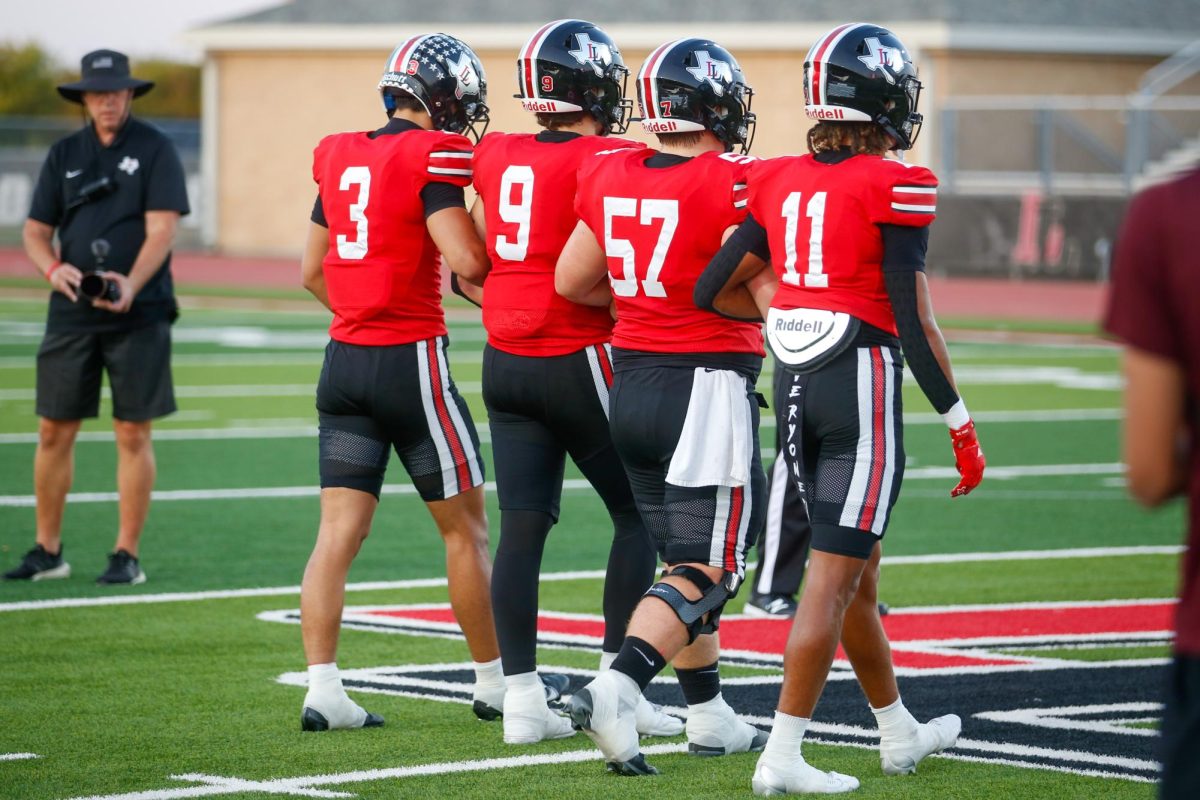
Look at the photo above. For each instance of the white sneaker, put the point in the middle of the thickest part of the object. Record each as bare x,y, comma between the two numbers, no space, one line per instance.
798,778
527,718
714,730
901,756
607,716
328,713
653,721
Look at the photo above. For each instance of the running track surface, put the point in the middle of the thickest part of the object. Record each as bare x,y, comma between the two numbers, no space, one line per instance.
1067,301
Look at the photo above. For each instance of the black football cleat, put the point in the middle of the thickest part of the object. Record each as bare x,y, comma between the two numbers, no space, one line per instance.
312,720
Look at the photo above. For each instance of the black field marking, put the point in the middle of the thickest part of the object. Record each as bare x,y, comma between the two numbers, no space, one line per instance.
1115,750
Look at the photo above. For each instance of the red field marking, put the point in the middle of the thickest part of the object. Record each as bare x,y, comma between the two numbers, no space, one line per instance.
947,628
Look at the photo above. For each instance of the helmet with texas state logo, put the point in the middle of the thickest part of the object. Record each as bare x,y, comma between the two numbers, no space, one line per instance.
571,65
692,85
445,76
860,72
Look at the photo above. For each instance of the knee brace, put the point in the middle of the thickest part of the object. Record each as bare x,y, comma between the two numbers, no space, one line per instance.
698,616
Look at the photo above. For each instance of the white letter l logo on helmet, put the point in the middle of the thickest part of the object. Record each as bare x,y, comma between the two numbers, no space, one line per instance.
596,55
718,73
887,60
464,72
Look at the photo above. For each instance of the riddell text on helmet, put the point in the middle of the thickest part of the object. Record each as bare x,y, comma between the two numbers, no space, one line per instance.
660,126
825,113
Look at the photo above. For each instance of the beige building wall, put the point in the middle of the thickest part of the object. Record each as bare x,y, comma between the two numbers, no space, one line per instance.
273,106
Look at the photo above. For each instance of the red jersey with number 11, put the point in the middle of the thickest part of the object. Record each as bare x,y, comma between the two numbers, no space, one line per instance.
659,226
382,271
822,222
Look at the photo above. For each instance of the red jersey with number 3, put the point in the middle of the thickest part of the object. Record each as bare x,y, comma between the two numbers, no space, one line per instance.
382,271
528,192
822,228
659,226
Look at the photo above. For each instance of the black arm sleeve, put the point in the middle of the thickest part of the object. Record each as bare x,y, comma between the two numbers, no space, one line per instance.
750,237
904,248
901,284
437,195
456,287
318,213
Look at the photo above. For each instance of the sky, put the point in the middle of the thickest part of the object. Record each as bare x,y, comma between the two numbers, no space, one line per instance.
139,28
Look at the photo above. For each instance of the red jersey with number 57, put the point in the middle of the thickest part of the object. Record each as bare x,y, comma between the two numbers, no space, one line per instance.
659,226
382,271
527,185
822,222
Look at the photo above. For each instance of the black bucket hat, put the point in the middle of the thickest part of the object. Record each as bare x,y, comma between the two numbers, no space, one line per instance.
104,71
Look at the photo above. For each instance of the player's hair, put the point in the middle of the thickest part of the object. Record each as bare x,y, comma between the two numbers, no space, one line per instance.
565,119
683,139
860,137
403,100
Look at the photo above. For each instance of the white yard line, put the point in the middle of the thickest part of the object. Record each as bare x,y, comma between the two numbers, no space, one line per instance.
571,484
421,583
288,429
18,756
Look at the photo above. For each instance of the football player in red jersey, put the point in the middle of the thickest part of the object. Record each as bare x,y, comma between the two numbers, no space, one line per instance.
547,365
389,202
846,228
683,410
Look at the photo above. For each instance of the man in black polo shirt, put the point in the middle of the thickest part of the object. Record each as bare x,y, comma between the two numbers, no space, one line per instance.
114,191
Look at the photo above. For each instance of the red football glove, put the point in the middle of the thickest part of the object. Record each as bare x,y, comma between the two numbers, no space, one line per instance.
968,458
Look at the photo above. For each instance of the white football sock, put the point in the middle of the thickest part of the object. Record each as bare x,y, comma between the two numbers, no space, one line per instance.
894,721
526,681
606,660
787,734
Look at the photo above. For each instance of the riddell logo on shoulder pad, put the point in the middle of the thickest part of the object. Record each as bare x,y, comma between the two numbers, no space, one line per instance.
825,113
660,126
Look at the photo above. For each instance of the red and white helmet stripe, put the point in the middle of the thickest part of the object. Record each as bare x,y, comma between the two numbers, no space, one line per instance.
653,120
398,60
531,92
818,106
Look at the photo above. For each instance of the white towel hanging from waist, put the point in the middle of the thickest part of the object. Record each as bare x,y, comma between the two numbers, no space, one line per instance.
715,444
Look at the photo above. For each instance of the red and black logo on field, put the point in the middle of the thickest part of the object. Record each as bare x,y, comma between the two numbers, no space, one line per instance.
1001,668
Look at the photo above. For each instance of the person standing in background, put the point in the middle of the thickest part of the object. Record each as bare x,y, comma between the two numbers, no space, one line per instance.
113,192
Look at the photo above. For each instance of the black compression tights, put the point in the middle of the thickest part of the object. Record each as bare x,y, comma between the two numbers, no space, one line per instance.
631,564
515,586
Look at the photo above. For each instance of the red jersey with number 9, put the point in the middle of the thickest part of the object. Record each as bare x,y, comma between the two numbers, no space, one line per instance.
659,226
382,271
528,191
822,222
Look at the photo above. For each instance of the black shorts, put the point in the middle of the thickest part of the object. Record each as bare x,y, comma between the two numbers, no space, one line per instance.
541,408
138,363
844,443
712,525
1181,731
370,398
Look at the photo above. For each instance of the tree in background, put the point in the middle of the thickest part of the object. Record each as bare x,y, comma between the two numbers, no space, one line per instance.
28,77
27,80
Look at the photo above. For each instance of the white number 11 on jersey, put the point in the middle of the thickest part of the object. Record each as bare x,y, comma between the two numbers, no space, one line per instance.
814,276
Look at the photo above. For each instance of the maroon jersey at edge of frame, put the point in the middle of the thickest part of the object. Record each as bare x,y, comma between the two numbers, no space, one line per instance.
659,228
382,271
822,228
528,192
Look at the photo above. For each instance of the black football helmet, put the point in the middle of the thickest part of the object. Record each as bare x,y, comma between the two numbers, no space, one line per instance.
571,65
862,73
445,76
696,85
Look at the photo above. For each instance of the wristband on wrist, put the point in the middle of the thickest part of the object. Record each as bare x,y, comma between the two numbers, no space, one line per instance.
53,267
957,416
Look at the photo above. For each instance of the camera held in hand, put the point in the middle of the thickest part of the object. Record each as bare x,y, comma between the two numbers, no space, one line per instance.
94,286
